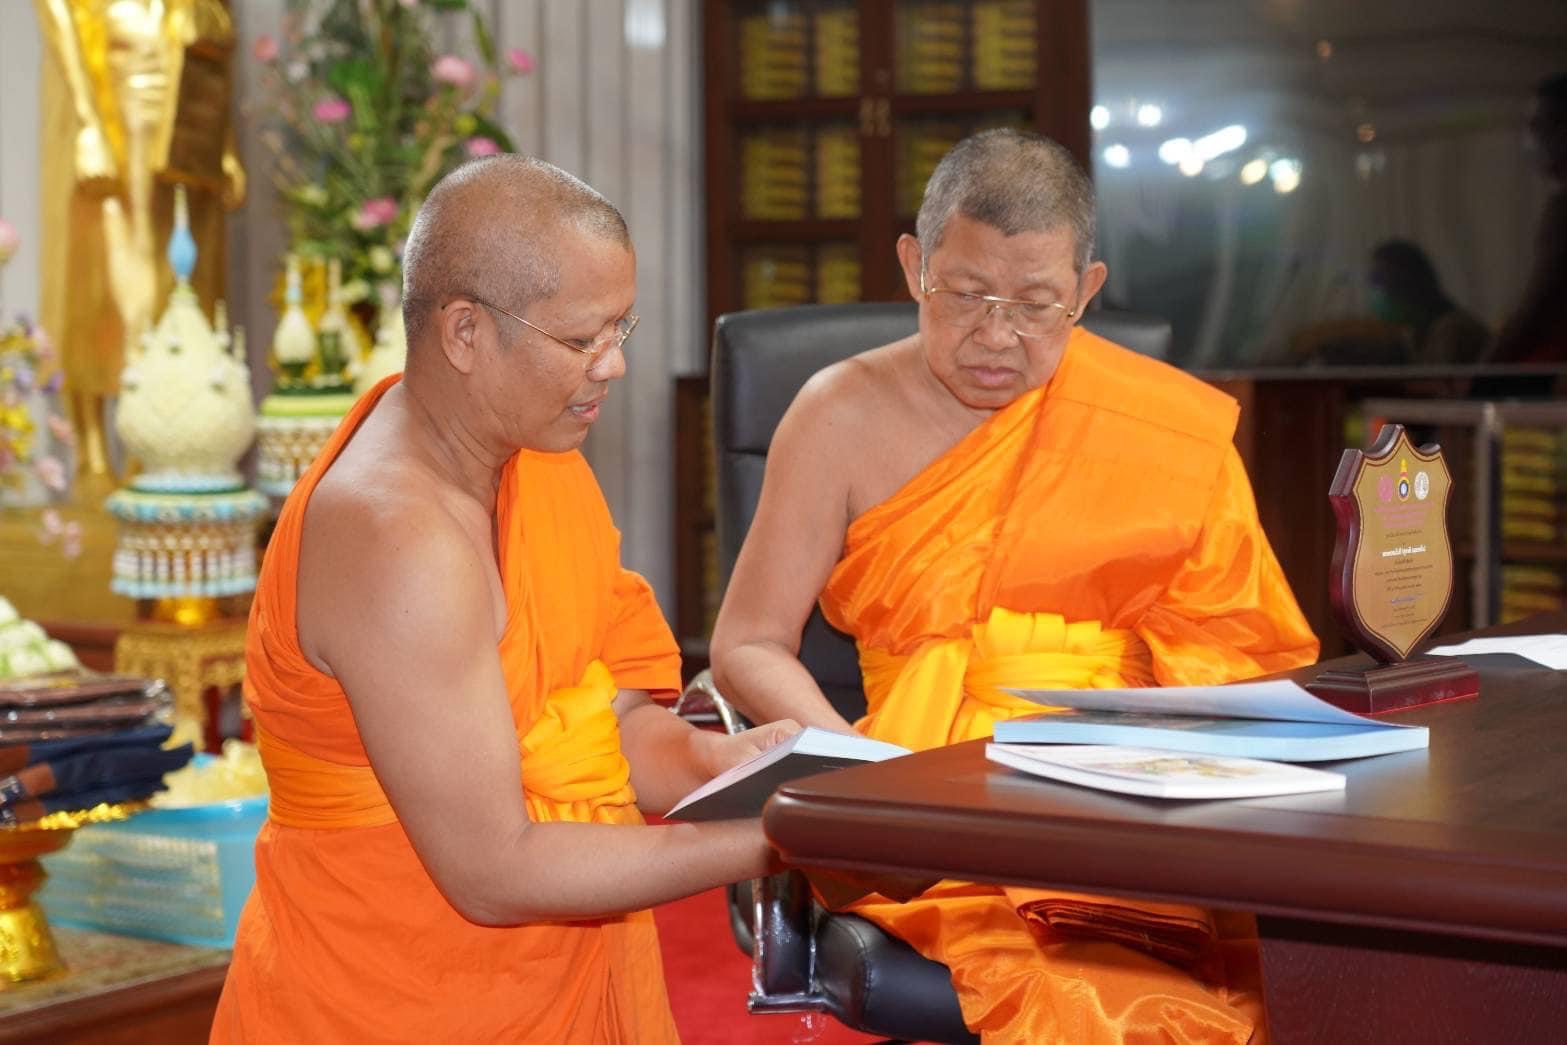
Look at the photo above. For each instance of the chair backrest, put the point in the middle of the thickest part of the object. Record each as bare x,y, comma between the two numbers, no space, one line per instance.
760,360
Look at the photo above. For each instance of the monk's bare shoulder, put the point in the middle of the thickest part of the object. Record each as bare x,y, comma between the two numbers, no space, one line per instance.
381,550
854,399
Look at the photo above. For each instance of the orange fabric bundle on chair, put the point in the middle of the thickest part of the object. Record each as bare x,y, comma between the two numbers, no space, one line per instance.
1176,933
1097,532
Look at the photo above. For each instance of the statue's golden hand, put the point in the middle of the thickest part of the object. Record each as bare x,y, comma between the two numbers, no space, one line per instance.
133,268
95,166
233,180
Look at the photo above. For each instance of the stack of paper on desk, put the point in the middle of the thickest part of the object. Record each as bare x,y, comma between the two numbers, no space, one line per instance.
1269,720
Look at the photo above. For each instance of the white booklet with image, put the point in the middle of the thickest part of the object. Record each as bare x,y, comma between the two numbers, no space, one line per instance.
1162,774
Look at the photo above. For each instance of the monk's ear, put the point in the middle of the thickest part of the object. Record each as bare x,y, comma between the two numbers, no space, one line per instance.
909,258
1092,281
459,328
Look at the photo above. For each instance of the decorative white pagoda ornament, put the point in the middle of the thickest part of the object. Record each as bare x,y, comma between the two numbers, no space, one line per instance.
315,369
188,523
390,353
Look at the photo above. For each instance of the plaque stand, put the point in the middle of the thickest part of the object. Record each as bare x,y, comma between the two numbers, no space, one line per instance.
1393,687
1392,577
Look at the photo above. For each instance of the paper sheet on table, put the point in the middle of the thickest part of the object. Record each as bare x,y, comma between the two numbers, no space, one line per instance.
1279,699
1549,650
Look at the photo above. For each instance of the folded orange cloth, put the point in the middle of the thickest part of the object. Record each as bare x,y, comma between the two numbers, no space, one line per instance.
1179,934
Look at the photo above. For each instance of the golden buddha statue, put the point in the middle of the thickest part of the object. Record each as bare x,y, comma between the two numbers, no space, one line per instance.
143,86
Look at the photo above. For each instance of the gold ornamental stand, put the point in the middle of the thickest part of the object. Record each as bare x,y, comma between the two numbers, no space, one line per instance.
27,950
187,658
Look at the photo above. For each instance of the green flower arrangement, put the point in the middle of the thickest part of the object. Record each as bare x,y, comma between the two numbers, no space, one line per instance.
366,117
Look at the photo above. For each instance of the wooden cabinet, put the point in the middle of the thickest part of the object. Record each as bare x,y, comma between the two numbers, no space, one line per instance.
826,117
1508,517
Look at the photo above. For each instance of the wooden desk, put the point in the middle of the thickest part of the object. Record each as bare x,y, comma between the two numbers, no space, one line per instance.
117,990
1428,902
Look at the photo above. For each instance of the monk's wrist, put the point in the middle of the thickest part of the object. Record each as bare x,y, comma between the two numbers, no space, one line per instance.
707,752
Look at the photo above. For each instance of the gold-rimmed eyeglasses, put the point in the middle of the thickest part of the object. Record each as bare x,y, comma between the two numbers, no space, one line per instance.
959,308
596,349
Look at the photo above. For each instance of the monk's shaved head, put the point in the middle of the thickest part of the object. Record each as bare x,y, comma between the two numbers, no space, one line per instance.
489,229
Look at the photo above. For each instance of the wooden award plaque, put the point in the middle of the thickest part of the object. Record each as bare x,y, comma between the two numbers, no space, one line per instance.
1392,576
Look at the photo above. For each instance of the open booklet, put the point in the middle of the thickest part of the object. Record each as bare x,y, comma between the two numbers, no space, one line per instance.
1273,720
742,790
1162,774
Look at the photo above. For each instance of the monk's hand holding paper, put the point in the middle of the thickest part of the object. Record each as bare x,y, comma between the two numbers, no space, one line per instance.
720,752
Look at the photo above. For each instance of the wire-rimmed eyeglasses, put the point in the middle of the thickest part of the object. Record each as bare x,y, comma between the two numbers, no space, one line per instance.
596,349
960,308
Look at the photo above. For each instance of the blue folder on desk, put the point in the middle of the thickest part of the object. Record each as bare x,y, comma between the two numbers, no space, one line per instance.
1271,739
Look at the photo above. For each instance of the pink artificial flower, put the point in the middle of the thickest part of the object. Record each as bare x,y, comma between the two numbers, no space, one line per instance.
9,240
71,546
377,212
264,49
52,473
60,428
332,109
519,61
458,72
53,526
43,346
481,147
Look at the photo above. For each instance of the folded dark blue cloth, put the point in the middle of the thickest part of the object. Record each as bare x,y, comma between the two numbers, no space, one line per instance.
15,756
30,809
86,770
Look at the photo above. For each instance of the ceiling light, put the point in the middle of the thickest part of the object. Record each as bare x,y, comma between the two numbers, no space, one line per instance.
1149,115
1175,150
1221,141
1285,174
1190,165
1099,117
1118,156
1254,172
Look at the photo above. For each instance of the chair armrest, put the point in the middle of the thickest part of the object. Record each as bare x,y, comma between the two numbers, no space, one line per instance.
701,699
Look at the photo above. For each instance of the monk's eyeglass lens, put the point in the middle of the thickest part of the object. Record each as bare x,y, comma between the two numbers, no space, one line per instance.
614,337
959,308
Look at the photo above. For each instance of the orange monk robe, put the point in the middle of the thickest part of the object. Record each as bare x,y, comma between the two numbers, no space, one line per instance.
1098,532
345,937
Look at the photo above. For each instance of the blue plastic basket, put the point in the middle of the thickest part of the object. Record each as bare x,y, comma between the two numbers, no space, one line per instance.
167,874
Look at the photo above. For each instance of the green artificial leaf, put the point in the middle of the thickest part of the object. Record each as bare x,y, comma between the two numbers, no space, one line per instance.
483,40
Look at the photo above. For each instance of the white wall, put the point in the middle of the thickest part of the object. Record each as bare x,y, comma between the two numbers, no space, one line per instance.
613,99
20,51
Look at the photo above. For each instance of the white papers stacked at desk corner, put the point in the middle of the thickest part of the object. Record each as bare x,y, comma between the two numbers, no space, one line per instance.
1547,650
1162,774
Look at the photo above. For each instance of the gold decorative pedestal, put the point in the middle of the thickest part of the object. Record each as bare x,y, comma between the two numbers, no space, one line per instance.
27,950
187,659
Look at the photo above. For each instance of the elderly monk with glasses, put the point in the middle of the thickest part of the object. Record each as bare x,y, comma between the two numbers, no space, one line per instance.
1004,499
450,673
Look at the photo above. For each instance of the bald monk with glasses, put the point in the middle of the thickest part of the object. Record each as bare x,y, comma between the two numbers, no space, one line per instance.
450,673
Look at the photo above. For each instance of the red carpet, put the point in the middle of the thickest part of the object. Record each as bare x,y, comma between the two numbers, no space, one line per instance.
709,978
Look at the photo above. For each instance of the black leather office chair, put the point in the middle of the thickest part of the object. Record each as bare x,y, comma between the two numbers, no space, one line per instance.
805,958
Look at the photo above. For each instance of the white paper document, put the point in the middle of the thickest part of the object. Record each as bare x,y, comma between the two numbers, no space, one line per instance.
1162,774
1549,650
